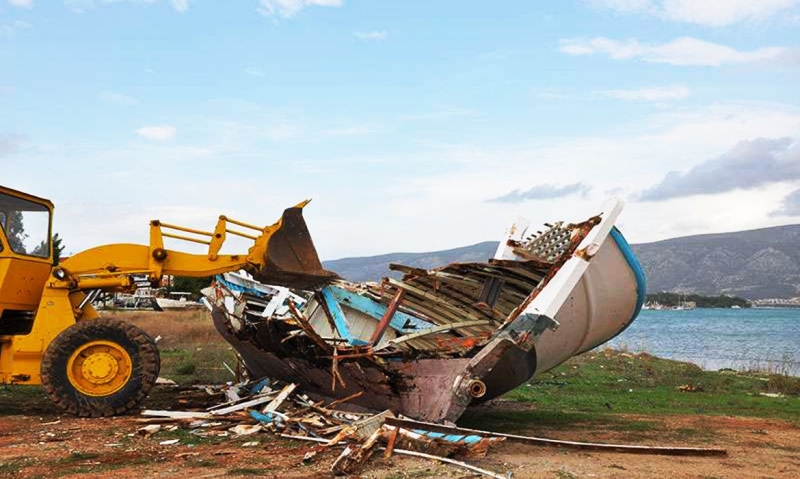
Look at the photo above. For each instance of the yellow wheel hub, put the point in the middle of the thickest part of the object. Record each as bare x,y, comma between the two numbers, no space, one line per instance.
99,368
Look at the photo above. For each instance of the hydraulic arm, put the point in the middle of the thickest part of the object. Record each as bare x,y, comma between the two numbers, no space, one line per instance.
94,366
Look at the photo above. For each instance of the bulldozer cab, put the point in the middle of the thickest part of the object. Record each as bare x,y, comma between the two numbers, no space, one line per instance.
26,257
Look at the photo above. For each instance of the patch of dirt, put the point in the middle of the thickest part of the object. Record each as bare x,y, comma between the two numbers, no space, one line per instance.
756,448
35,441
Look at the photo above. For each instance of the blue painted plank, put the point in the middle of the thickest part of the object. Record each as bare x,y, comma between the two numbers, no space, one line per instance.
400,321
339,319
454,438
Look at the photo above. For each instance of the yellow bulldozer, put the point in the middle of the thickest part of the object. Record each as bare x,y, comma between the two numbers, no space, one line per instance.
92,365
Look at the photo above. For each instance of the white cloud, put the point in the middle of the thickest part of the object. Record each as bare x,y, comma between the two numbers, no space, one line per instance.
80,5
499,55
282,132
289,8
254,73
21,3
11,29
357,130
438,115
683,51
624,5
373,35
543,192
748,165
714,13
655,94
790,206
9,144
159,133
457,180
180,5
118,98
129,1
551,94
625,159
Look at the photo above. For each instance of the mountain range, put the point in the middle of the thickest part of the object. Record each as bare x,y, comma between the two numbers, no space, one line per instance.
754,264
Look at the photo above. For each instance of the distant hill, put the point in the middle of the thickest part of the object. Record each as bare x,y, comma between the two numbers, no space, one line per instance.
755,264
763,263
373,268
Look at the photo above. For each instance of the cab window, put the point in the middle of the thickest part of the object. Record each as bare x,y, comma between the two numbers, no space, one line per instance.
26,226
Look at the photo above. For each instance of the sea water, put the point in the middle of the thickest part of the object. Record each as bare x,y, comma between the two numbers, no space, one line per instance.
753,338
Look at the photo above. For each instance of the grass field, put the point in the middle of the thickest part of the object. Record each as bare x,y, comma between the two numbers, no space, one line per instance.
594,385
621,391
621,382
192,351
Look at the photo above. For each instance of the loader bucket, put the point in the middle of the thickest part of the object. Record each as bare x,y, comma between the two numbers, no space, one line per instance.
291,259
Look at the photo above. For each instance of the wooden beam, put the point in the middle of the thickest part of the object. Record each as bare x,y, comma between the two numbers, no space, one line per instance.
387,317
438,329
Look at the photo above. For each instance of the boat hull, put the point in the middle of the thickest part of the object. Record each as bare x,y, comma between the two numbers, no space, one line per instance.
583,300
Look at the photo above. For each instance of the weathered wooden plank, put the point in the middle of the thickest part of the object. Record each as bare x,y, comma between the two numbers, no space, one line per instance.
432,297
372,307
335,311
442,315
438,329
469,302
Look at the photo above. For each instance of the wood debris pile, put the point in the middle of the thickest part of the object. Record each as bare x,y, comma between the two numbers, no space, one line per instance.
268,407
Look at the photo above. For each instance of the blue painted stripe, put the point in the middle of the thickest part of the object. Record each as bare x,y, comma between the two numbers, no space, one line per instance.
238,287
636,267
257,387
400,321
454,438
339,319
269,417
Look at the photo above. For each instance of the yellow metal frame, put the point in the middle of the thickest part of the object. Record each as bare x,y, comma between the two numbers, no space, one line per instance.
99,368
61,297
22,280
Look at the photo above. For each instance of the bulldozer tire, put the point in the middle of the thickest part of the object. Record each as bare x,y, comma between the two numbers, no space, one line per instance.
100,367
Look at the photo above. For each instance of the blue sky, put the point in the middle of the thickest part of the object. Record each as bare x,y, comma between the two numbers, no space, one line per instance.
414,125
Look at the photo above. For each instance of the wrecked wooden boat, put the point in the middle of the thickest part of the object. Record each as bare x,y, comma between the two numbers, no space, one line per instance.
435,341
175,300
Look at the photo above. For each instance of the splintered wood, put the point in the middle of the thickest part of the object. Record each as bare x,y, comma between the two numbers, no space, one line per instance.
264,406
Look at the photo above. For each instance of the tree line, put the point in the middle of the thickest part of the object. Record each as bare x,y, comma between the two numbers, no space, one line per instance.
676,299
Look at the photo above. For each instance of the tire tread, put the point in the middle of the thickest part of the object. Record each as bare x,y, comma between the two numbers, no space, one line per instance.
66,397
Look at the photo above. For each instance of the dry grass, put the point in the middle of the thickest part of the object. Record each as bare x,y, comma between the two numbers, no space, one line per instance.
176,328
192,351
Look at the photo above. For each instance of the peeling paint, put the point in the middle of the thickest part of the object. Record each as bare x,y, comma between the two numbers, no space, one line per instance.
435,341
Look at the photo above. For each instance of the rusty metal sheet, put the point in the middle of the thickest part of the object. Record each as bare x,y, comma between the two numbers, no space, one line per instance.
291,258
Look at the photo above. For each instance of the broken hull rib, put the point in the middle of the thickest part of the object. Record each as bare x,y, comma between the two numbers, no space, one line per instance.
429,345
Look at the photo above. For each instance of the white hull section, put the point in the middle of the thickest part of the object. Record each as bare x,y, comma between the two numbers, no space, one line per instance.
600,306
172,304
